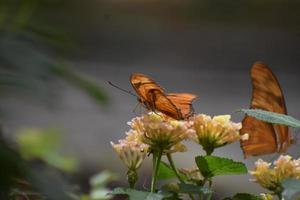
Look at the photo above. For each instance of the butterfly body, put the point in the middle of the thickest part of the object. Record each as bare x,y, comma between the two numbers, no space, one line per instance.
153,97
265,138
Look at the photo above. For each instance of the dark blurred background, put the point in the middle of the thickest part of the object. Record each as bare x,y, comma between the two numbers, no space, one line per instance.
57,56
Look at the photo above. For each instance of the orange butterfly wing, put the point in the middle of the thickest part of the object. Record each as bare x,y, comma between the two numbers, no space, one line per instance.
177,106
183,101
163,104
265,138
142,84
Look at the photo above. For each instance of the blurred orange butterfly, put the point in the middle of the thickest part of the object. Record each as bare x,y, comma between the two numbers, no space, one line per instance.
174,105
265,138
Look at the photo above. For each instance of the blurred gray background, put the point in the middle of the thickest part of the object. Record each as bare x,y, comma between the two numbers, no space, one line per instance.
201,47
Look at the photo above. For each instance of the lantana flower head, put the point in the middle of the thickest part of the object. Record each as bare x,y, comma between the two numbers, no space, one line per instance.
161,133
270,176
215,132
131,153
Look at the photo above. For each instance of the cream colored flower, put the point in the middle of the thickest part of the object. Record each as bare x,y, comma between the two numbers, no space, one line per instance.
193,175
161,133
131,153
270,177
266,196
215,132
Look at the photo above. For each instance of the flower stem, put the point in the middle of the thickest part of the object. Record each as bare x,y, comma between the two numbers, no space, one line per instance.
156,162
279,195
210,186
170,159
174,168
132,178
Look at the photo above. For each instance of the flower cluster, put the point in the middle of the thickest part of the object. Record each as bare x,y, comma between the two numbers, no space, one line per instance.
270,177
161,133
157,134
215,132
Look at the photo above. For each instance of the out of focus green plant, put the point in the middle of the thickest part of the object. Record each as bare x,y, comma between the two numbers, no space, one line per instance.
33,50
98,184
44,145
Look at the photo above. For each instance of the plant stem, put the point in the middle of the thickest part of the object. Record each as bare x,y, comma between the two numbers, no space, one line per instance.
174,168
156,162
170,159
279,196
209,196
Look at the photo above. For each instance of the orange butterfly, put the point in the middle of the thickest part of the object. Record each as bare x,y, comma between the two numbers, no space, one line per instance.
175,105
265,138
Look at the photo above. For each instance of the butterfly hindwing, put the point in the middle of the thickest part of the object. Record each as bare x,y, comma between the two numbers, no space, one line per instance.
267,95
183,101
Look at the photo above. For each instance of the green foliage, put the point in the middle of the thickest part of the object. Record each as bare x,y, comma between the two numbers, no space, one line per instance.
193,189
44,145
98,184
137,195
243,196
165,171
291,189
272,117
31,52
211,166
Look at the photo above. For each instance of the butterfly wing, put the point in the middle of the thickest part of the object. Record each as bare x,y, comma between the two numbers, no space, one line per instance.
183,102
265,138
143,84
262,137
177,106
152,95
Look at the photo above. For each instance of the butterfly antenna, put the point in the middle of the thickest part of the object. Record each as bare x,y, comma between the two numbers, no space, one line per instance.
126,91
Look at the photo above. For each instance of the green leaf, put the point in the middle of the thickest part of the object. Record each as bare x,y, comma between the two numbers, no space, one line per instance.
291,188
243,196
165,171
44,145
193,189
100,194
213,166
185,188
137,195
101,179
271,117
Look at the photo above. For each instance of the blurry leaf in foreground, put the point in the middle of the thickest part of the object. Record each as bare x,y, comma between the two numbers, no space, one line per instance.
98,183
44,145
271,117
291,189
193,189
84,82
137,195
243,196
103,178
12,166
49,183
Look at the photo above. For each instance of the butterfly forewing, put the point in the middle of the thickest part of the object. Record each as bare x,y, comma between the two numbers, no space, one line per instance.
265,138
177,106
142,84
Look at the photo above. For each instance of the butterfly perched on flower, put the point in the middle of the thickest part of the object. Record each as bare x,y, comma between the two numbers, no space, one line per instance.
153,97
265,138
